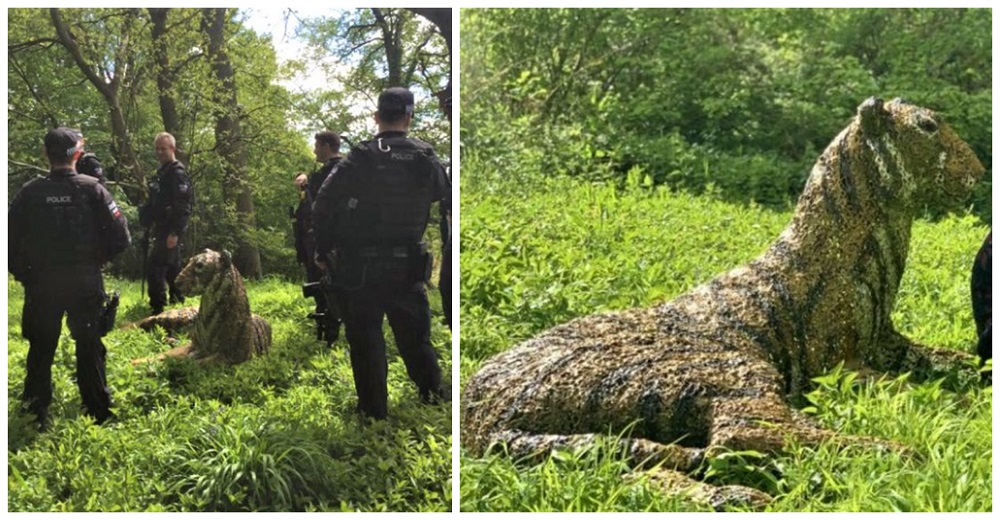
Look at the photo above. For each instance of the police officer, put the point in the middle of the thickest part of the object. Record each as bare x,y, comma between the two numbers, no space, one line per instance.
62,229
90,165
370,217
327,151
165,215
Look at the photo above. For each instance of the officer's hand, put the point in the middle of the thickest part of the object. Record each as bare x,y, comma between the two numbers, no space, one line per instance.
301,180
318,260
171,241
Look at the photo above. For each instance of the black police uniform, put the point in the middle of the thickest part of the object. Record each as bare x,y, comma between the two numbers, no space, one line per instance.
981,283
444,280
90,165
62,229
372,214
305,239
166,213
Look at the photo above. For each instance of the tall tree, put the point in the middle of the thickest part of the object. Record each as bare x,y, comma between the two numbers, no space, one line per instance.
165,80
229,140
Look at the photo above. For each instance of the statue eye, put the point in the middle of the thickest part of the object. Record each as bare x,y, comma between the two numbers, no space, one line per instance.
928,125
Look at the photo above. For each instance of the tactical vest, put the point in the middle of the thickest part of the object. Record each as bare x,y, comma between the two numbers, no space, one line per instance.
387,200
65,229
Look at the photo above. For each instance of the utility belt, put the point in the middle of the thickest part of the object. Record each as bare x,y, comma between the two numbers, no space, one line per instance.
382,252
354,267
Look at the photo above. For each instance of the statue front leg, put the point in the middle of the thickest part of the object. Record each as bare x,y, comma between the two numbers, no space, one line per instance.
927,364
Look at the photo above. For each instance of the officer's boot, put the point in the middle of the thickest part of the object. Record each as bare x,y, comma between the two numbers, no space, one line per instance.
436,395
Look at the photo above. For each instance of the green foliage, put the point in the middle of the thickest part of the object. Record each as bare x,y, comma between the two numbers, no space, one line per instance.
742,99
539,250
581,480
277,433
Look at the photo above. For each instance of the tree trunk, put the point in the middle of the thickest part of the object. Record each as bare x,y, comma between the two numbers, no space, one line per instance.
393,47
441,17
229,143
165,76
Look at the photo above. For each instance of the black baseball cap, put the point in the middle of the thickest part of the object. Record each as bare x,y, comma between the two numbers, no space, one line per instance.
62,141
396,100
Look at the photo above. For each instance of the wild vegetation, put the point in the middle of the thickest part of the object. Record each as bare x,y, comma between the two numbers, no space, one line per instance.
277,433
589,188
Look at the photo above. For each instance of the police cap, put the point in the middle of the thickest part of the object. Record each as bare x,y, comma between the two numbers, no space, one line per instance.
62,141
395,101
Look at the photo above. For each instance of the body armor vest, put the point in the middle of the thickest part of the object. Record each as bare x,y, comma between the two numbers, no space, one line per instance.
388,201
65,232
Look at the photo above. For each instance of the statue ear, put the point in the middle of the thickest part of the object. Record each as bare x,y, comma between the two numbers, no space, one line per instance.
227,258
872,114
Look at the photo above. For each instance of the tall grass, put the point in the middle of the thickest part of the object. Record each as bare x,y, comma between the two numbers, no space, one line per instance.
538,251
277,433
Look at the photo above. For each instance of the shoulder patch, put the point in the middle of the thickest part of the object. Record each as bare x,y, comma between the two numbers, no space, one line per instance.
113,209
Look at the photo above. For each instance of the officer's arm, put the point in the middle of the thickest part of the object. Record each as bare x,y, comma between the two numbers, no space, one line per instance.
181,201
442,184
15,237
323,215
115,236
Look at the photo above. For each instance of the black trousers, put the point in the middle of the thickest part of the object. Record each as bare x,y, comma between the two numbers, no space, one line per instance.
444,282
406,307
164,266
79,296
313,272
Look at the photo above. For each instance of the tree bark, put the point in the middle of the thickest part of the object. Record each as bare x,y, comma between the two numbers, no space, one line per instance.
441,18
229,143
165,76
393,47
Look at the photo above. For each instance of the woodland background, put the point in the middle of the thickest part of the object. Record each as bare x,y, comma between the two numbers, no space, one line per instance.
243,125
736,102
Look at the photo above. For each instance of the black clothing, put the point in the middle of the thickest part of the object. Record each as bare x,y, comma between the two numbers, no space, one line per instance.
305,239
981,281
62,221
409,316
161,273
62,229
381,194
79,296
89,164
982,301
372,215
444,280
166,213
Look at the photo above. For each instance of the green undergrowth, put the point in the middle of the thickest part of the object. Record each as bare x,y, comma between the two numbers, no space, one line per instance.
539,251
277,433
